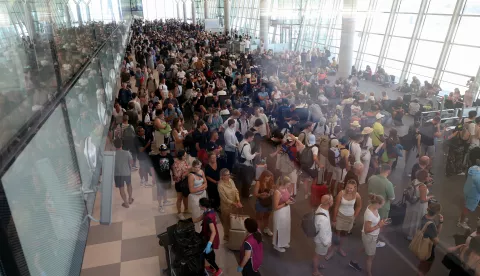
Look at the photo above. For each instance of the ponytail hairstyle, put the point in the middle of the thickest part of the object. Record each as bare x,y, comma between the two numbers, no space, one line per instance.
434,208
205,202
283,180
376,199
252,227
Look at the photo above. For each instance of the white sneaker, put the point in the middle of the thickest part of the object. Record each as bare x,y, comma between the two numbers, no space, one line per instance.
380,244
281,250
167,203
142,183
463,225
267,232
161,209
181,216
287,246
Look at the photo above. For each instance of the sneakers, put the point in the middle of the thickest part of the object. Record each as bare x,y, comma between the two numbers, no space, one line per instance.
180,216
142,183
463,224
218,272
267,232
167,203
287,246
380,244
161,209
355,266
279,249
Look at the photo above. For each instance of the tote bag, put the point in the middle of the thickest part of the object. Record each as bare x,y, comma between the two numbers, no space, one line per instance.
237,220
420,246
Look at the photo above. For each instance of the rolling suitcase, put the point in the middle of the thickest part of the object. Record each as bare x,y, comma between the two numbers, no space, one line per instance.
236,238
317,192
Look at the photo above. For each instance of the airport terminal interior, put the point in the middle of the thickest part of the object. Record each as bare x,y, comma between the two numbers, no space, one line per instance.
239,137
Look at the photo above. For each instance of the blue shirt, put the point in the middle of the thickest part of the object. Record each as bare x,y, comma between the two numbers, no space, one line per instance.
472,185
262,94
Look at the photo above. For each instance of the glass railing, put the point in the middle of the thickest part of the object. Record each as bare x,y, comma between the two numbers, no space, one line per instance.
49,184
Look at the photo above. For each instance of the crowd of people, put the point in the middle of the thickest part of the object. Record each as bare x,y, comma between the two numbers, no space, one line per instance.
226,126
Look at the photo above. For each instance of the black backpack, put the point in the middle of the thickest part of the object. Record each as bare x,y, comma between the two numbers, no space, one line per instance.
306,157
410,194
308,224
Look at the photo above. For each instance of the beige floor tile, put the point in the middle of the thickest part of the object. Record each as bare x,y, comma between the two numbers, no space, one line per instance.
138,228
102,254
142,267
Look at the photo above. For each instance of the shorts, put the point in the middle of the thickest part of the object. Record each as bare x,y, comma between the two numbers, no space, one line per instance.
261,209
162,187
427,150
120,181
145,164
471,203
182,187
369,243
320,249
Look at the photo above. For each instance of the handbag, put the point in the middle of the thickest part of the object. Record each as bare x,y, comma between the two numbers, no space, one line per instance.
237,220
165,130
420,246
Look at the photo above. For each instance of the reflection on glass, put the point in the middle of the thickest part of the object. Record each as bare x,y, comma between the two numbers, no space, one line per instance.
456,60
468,26
435,27
44,195
427,53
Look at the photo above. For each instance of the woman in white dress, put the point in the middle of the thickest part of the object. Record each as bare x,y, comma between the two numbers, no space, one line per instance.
197,184
281,214
366,154
415,211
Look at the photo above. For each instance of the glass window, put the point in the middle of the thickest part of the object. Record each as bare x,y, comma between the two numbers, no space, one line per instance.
459,57
423,73
398,48
380,22
441,6
427,53
393,67
384,5
454,81
363,5
410,6
44,194
404,25
466,30
472,7
374,44
435,27
360,21
369,60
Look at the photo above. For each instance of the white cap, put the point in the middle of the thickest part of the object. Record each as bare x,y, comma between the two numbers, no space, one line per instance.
379,116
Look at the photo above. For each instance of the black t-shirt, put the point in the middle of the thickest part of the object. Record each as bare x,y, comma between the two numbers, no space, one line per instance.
141,142
164,165
431,233
213,174
199,138
427,132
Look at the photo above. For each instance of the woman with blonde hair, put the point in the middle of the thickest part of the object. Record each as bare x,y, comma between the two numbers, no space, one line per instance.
229,200
263,191
372,223
281,214
348,204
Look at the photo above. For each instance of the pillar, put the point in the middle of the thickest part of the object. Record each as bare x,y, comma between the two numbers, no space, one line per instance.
178,10
79,14
120,12
27,8
89,16
205,8
264,23
226,15
194,16
68,18
185,11
345,54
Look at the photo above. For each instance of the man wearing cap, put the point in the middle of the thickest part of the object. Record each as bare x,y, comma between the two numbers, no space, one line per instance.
378,131
162,170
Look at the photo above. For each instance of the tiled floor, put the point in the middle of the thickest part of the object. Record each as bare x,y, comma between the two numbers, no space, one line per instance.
129,245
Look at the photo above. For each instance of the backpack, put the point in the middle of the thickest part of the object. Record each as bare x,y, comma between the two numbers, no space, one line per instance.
306,157
351,158
334,156
128,134
308,224
410,195
342,163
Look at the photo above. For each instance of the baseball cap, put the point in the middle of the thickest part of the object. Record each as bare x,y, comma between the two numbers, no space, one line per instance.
334,143
379,116
163,147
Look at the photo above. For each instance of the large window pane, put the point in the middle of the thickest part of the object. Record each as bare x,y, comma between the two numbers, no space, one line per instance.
360,21
452,81
441,6
374,44
384,5
435,27
427,53
404,25
472,7
423,73
398,48
44,194
393,67
410,6
380,22
363,5
369,60
468,26
459,57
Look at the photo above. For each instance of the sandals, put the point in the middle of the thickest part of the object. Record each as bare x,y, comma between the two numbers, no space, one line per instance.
130,201
125,205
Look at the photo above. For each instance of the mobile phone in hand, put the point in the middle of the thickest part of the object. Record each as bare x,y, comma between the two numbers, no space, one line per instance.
388,221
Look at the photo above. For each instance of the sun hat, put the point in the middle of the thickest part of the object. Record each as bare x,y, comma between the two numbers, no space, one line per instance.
355,124
367,130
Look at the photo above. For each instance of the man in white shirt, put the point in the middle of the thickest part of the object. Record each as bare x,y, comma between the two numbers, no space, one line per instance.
264,129
245,149
323,239
231,143
247,171
247,45
163,89
235,115
181,74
